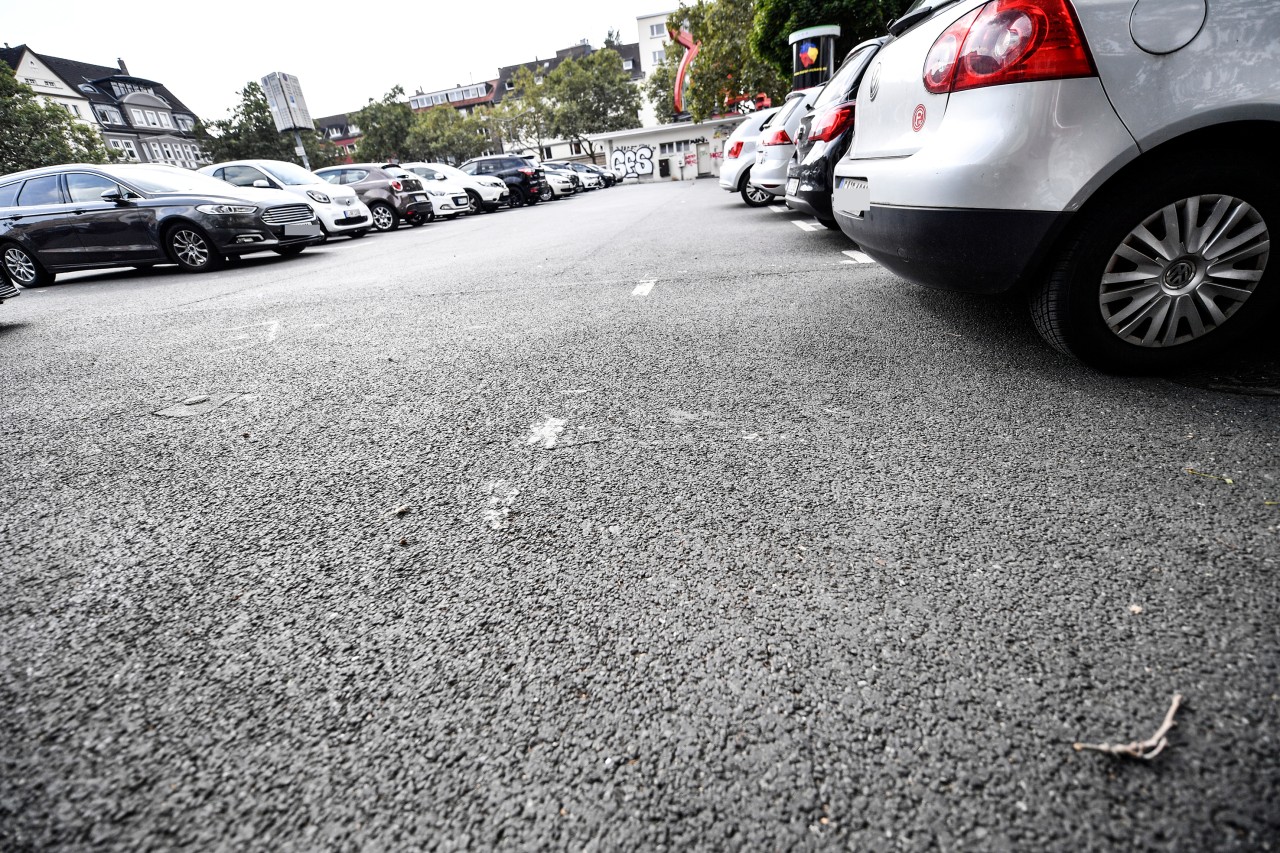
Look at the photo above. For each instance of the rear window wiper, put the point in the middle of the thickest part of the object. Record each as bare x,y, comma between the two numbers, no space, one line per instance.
901,25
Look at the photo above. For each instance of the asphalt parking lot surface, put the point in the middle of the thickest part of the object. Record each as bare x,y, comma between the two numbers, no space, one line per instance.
640,520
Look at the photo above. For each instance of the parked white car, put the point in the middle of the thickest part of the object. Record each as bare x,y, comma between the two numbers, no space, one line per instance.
561,183
339,209
484,193
740,156
1113,159
776,144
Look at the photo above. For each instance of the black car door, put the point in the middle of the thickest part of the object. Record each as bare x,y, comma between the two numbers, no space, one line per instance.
111,233
42,222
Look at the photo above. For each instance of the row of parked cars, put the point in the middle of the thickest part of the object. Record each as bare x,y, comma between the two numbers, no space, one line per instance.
1113,161
78,217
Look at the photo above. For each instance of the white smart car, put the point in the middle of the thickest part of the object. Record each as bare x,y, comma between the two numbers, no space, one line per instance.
1114,158
484,193
339,209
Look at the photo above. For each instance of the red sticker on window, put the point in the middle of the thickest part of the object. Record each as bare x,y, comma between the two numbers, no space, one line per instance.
917,120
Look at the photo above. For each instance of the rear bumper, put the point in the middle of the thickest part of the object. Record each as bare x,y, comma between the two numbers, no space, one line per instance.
731,173
770,173
979,251
813,179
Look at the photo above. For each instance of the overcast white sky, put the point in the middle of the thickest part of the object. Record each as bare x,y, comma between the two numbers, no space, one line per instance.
206,52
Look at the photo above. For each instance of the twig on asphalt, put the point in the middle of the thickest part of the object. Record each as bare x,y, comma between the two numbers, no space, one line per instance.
1147,749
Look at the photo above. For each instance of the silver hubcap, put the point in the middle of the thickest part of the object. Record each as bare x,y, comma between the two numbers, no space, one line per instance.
473,204
19,266
382,218
1185,270
757,194
190,248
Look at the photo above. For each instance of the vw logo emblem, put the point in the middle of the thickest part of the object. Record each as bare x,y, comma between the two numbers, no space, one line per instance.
875,82
1180,274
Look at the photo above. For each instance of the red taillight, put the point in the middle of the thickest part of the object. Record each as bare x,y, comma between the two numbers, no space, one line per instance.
528,172
830,124
396,185
1008,41
734,150
778,138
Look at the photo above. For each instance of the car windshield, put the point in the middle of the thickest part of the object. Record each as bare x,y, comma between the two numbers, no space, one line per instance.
167,179
840,87
449,171
290,174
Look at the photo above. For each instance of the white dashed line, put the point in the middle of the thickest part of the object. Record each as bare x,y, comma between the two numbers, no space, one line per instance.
643,288
804,226
778,208
858,258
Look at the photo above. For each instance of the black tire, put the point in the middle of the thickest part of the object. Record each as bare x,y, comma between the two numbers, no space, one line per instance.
474,203
517,198
288,251
753,196
384,217
190,248
1123,325
829,223
20,267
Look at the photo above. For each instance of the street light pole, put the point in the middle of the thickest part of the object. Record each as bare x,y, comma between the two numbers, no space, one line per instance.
300,150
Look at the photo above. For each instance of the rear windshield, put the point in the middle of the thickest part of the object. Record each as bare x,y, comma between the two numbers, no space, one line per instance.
781,116
841,88
291,174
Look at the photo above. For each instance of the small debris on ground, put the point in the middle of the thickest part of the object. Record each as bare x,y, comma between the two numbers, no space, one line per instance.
401,510
1135,609
1147,749
1227,480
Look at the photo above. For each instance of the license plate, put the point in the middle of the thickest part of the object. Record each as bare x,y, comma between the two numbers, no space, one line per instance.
460,200
793,184
352,214
299,229
853,196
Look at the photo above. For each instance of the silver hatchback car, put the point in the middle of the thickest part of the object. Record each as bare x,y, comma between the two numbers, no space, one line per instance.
1115,158
776,144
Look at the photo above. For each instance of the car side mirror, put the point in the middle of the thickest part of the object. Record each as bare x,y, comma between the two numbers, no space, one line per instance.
113,196
440,177
262,184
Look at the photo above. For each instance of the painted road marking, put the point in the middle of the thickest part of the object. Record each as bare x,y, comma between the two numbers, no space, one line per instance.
643,288
858,257
778,208
804,226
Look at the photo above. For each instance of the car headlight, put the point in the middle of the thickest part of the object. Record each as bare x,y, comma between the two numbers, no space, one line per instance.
226,209
437,192
318,196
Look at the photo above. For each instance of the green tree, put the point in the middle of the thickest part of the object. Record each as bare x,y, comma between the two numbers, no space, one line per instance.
250,134
523,119
858,20
34,133
591,95
659,85
442,134
727,69
385,126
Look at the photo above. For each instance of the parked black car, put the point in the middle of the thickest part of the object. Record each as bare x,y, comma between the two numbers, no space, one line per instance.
524,178
80,217
824,136
606,174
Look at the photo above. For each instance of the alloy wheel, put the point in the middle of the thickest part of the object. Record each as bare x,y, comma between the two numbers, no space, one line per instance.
1184,270
383,218
190,247
758,195
20,267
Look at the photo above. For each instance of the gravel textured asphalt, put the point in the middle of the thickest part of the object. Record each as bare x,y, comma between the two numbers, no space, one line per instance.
482,542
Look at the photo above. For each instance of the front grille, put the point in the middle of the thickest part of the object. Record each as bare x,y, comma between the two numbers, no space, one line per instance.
286,213
353,220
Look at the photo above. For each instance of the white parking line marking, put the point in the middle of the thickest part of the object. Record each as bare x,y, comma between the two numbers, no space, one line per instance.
858,257
778,208
804,226
643,288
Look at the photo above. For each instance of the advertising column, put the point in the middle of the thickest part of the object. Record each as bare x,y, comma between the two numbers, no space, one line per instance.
813,56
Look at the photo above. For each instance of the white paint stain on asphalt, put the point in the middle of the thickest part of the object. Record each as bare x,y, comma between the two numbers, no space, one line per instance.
501,496
858,257
547,433
643,288
804,226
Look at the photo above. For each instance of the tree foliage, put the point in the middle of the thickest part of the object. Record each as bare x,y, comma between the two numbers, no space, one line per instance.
726,69
250,134
523,119
591,94
385,125
34,133
444,135
858,20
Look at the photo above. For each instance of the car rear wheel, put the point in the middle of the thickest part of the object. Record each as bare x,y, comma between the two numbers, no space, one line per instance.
829,223
517,198
754,196
21,267
190,248
384,216
1166,270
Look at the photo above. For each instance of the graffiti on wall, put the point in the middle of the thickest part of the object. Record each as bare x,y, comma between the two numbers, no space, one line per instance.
636,161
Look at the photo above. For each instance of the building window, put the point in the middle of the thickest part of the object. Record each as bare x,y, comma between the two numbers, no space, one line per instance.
155,152
510,85
72,108
546,152
125,146
138,118
576,147
110,115
168,151
673,147
88,89
626,64
152,119
658,56
164,120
